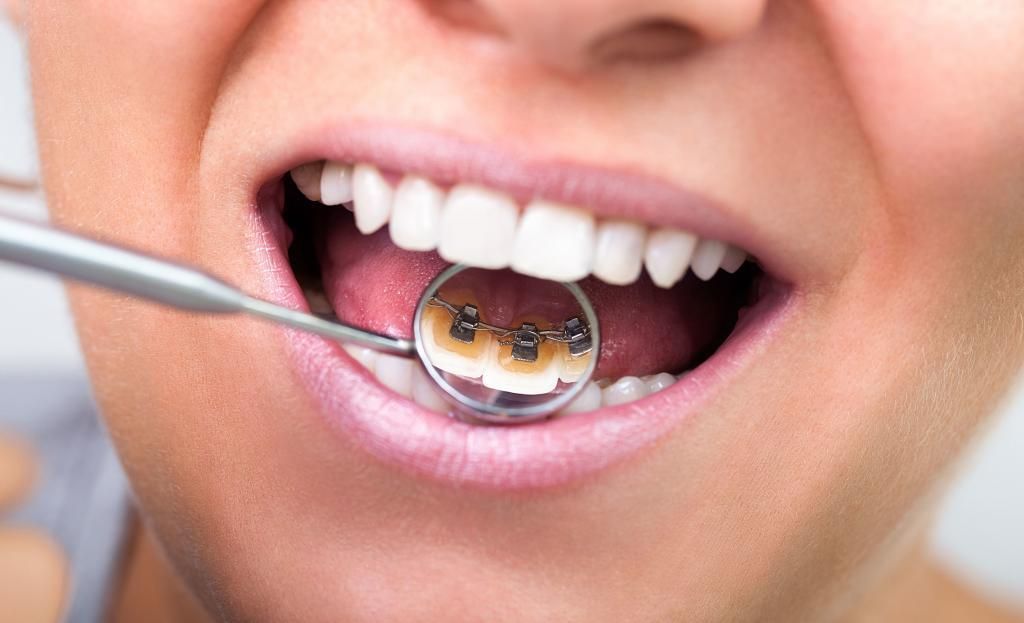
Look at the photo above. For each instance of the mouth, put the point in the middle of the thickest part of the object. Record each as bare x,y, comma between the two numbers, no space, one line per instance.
359,234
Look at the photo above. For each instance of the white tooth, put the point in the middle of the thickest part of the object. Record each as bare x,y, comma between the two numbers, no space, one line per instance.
468,360
626,389
554,242
658,382
425,392
366,356
307,179
318,303
707,257
372,195
478,227
667,255
416,214
619,252
395,373
734,258
336,184
588,400
505,374
570,368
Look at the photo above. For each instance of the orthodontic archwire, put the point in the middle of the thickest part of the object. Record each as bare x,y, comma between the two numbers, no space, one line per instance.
525,339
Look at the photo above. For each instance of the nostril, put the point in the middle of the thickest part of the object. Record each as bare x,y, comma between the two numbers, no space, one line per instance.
652,40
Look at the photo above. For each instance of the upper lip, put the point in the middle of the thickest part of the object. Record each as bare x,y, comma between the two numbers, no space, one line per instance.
448,159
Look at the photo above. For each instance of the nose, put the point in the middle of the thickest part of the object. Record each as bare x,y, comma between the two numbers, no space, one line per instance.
575,34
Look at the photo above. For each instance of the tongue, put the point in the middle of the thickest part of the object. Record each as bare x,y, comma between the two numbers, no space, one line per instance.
644,329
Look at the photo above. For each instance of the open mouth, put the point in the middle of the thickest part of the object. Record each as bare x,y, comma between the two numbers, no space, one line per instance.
364,240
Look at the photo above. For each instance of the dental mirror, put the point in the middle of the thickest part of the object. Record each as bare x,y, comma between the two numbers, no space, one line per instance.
506,348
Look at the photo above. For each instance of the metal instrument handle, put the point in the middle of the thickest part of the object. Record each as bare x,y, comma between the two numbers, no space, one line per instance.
163,281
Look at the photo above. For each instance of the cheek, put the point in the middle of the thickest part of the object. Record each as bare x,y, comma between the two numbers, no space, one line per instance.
130,83
938,83
938,89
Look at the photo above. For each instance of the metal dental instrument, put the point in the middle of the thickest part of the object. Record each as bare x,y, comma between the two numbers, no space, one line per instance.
163,281
188,288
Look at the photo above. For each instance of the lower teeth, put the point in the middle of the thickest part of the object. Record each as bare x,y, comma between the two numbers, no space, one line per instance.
407,379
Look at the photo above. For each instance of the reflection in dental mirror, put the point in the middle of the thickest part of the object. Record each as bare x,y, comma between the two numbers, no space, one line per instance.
503,346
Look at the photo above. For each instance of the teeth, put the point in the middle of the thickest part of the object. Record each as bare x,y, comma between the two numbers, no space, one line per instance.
395,373
588,400
478,227
402,376
336,184
658,382
416,215
734,258
317,299
372,196
667,255
571,368
619,252
503,373
707,258
307,179
626,389
554,242
491,362
406,378
365,356
452,356
425,392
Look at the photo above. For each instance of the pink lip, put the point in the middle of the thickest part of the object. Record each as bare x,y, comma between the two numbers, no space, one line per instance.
546,454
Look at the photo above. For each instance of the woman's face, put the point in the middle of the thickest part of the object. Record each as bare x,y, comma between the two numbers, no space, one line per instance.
870,155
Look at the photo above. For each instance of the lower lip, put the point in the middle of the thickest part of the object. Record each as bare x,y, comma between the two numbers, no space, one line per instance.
505,458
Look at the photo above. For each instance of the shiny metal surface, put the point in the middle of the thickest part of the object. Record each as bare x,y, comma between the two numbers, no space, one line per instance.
480,411
167,282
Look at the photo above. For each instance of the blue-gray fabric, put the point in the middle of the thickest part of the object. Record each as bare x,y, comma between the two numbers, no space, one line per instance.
82,497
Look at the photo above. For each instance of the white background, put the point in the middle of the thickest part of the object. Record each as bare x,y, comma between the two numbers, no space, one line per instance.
980,532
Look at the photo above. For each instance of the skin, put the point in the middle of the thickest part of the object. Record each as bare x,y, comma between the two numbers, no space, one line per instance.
879,143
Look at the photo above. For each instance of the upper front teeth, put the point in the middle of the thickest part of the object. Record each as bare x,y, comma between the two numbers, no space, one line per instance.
335,184
416,215
667,255
372,198
619,252
554,242
477,226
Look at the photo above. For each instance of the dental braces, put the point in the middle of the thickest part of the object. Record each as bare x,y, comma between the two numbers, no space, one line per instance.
526,339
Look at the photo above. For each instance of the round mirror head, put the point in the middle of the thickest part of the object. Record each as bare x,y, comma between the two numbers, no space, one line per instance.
505,347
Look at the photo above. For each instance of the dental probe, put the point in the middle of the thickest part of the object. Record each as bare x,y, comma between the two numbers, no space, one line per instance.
501,394
163,281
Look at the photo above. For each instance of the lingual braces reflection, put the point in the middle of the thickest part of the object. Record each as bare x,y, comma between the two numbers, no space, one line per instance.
466,322
529,359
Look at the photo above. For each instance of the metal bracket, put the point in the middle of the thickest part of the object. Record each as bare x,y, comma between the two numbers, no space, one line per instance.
465,324
577,334
525,343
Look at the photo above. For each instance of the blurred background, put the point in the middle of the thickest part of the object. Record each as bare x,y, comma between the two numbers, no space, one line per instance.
980,533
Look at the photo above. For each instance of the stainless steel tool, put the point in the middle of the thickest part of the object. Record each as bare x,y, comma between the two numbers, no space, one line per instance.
185,287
